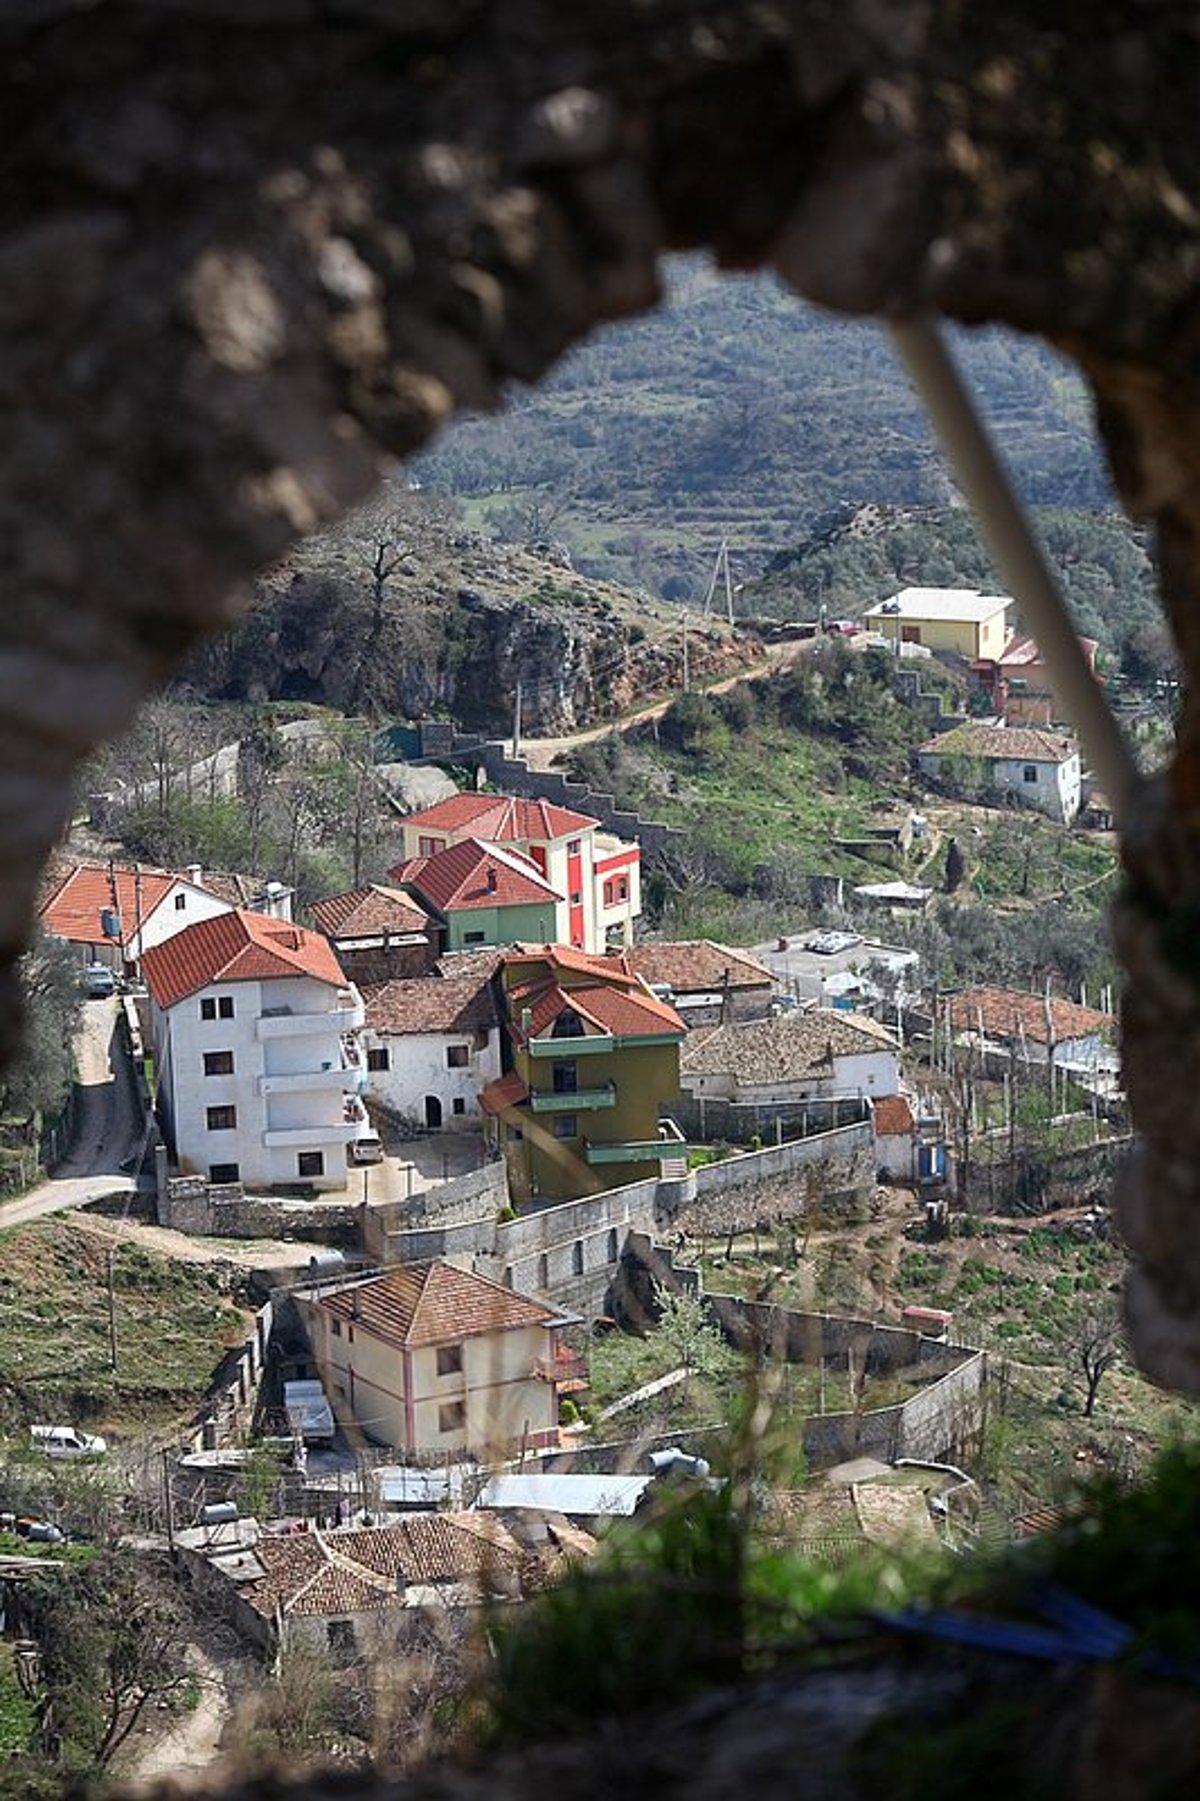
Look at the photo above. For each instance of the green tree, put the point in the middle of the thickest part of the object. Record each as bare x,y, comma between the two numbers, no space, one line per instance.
39,1079
687,1333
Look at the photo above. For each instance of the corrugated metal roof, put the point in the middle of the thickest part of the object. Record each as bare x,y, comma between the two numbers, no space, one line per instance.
584,1496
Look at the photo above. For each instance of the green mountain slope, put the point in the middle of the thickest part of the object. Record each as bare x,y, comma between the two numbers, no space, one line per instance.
736,408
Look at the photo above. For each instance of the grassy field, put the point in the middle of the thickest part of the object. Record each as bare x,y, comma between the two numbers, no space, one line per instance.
16,1710
173,1325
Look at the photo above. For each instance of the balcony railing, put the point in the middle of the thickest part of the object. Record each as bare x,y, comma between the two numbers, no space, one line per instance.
583,1100
289,1022
595,1045
644,1150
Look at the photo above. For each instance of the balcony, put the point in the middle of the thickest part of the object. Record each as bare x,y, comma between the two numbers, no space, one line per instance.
583,1100
568,1371
332,1078
285,1022
597,1045
644,1150
309,1138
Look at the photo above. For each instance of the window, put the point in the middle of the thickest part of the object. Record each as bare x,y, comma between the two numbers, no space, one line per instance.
577,898
379,1059
218,1063
452,1417
474,937
310,1163
573,847
616,890
343,1646
222,1119
567,1025
1029,774
180,902
208,1009
566,1077
220,1173
449,1360
429,847
513,1134
566,1125
458,1104
335,1327
458,1056
543,1271
577,1257
224,1006
613,1245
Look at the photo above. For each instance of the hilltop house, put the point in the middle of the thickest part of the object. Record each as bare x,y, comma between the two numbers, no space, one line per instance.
113,912
1035,1029
379,934
598,874
1022,687
431,1045
258,1067
592,1056
958,622
428,1357
484,894
1033,768
706,983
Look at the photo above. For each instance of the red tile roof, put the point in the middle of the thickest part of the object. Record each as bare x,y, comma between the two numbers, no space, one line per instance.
893,1116
236,947
365,912
73,910
505,1092
697,964
1001,743
331,1573
434,1303
1007,1013
502,818
474,874
430,1004
611,997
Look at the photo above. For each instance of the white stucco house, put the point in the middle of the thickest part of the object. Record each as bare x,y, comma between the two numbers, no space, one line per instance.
113,912
819,1055
257,1062
1033,768
431,1045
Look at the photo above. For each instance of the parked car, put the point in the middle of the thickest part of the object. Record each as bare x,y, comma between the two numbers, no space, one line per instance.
39,1532
368,1148
98,982
309,1413
67,1441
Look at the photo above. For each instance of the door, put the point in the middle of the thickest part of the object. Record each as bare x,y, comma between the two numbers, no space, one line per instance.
433,1112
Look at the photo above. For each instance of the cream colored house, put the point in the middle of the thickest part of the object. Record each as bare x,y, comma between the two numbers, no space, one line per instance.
429,1357
960,621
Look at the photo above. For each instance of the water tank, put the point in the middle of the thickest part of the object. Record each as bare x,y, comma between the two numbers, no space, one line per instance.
110,922
219,1513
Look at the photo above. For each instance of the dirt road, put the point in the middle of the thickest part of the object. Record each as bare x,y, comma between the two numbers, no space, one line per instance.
107,1127
184,1752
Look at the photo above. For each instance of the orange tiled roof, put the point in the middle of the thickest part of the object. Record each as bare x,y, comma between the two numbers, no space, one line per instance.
430,1004
362,912
1002,742
1007,1013
475,874
505,1092
434,1303
73,910
893,1116
329,1573
236,947
501,818
697,963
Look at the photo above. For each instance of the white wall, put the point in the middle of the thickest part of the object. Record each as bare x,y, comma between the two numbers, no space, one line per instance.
418,1067
312,1049
875,1074
169,918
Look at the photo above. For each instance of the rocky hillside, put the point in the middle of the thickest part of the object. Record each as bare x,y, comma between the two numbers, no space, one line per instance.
401,613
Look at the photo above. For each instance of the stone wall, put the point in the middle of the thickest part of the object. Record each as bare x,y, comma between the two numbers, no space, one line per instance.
470,1199
230,1403
1035,1181
190,1204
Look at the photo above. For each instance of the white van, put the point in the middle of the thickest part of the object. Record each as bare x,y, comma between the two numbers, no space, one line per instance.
67,1441
98,982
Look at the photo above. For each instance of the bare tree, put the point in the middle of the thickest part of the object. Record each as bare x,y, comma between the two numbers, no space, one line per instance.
1096,1345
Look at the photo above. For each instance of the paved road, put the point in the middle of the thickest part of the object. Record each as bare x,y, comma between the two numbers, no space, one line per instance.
107,1128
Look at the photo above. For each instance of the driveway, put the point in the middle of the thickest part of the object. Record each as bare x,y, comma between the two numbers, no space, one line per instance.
108,1128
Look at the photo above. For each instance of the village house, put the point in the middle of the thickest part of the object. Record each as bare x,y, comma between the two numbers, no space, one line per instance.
958,622
484,894
257,1063
804,1056
706,983
431,1045
379,934
1035,1029
1021,685
356,1592
428,1357
896,1137
597,873
1037,769
593,1057
113,912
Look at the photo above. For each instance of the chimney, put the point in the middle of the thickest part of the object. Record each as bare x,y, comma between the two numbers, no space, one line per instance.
195,875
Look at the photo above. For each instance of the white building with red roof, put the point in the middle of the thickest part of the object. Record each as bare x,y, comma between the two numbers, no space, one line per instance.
597,873
431,1045
114,911
428,1357
259,1070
